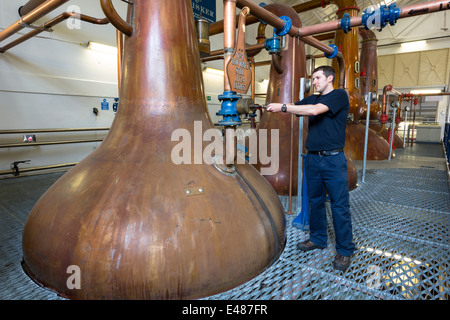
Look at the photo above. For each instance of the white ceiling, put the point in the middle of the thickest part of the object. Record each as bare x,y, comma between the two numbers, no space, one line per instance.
430,26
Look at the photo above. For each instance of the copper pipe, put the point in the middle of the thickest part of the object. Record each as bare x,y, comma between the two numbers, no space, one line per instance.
263,63
386,88
252,65
399,109
326,49
119,39
51,23
276,60
423,8
29,6
252,47
116,20
260,39
262,14
217,27
31,17
325,36
407,11
278,23
229,36
206,59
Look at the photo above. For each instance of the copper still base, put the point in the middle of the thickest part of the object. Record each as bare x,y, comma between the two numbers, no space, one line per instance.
377,147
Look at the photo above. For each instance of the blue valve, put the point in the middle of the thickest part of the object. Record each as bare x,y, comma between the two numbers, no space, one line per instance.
272,45
228,109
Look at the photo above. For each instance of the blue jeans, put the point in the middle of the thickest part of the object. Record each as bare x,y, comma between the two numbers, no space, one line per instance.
329,173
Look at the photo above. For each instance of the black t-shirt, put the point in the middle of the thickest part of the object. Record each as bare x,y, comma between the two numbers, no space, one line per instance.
326,131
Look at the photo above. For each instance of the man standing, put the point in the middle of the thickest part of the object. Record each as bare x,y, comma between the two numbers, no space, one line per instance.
326,165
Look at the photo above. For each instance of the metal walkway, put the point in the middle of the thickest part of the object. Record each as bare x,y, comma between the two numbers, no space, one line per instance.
401,222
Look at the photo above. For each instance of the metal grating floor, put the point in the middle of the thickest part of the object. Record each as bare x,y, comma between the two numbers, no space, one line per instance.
401,222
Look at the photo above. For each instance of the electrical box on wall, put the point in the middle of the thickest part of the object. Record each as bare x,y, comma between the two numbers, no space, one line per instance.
29,138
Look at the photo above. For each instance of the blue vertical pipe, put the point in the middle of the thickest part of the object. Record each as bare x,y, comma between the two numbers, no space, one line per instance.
302,220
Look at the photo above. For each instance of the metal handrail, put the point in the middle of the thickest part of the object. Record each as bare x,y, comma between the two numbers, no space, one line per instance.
46,143
52,166
18,131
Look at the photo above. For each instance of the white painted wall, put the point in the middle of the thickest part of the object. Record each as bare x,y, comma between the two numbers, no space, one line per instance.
52,81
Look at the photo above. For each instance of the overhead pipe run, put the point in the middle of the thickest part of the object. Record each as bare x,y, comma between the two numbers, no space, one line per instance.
31,17
62,17
218,26
116,20
29,6
370,19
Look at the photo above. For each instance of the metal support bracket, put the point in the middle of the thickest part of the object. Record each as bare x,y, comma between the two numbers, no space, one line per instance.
40,28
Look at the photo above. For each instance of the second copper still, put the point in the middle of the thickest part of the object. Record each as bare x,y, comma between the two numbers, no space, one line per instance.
369,83
378,148
286,70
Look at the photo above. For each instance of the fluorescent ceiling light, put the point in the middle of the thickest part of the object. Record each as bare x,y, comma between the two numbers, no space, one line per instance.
414,44
213,71
425,91
102,47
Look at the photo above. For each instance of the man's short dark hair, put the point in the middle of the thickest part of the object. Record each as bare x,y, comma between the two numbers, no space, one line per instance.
327,71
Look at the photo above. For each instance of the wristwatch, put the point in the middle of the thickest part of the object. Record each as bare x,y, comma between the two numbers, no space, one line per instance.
284,108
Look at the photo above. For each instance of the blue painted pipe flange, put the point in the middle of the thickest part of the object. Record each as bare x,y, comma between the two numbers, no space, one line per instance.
334,53
286,28
345,23
394,14
365,17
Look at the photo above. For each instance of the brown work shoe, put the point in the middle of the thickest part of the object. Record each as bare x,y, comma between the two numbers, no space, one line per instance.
308,245
341,262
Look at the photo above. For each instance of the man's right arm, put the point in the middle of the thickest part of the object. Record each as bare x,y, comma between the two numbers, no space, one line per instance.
301,110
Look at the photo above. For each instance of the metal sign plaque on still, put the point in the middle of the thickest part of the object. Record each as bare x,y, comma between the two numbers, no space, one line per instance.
238,69
204,9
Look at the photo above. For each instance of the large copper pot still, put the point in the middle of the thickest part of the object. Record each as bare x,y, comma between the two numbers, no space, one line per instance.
286,70
136,225
369,83
378,148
